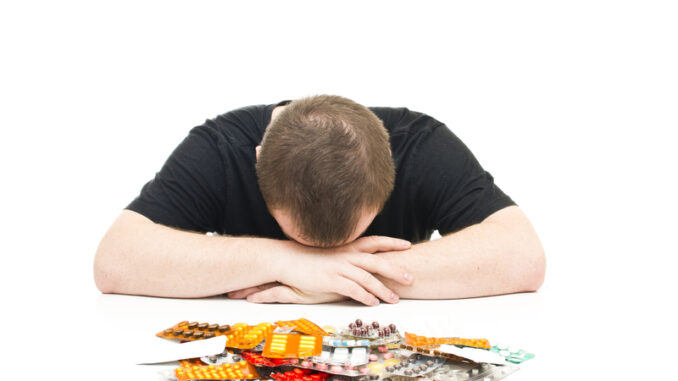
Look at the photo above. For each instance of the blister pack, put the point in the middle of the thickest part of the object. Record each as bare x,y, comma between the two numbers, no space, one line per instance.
194,331
343,361
230,371
337,361
380,358
338,341
512,354
453,371
304,326
344,355
243,336
375,332
292,345
414,365
423,341
300,375
221,358
335,369
431,352
258,360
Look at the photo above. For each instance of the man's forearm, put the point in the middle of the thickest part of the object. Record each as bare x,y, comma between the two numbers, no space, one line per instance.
501,255
142,258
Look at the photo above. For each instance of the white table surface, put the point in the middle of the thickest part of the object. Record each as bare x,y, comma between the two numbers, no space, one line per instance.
103,336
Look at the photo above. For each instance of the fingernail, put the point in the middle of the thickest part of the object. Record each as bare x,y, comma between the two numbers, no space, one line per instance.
405,243
407,277
375,302
394,298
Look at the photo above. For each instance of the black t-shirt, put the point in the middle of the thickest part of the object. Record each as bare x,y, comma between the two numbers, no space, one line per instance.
209,182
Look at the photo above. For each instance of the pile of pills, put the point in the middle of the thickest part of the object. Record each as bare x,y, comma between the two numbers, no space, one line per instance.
300,350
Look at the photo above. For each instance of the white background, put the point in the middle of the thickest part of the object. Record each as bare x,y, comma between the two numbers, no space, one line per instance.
572,106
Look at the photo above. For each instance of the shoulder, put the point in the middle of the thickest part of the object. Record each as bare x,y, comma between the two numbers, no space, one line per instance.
241,126
408,130
399,120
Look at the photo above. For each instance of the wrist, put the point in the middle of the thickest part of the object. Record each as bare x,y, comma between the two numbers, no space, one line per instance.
275,256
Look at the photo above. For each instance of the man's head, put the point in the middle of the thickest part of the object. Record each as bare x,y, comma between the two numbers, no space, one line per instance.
325,169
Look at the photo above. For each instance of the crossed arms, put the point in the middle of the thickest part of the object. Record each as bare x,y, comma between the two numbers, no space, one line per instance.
500,255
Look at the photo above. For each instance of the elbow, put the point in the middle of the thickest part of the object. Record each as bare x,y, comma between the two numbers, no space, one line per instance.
535,270
102,278
104,273
115,261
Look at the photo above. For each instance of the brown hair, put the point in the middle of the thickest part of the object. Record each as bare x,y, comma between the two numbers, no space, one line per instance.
325,160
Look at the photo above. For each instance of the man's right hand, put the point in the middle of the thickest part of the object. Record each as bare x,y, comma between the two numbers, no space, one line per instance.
346,270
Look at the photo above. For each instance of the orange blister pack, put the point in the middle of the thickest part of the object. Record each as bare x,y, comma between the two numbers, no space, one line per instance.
245,336
241,370
194,331
423,341
304,326
292,345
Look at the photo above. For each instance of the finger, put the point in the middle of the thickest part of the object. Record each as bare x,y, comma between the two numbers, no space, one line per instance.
370,283
245,292
375,264
347,287
241,294
378,243
277,294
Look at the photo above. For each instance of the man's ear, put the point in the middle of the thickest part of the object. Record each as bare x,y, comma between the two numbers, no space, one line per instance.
256,152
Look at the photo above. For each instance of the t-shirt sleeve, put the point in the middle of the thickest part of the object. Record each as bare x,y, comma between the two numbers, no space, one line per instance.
189,191
454,190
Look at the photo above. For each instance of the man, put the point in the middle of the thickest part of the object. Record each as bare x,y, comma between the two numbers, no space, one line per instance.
318,200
